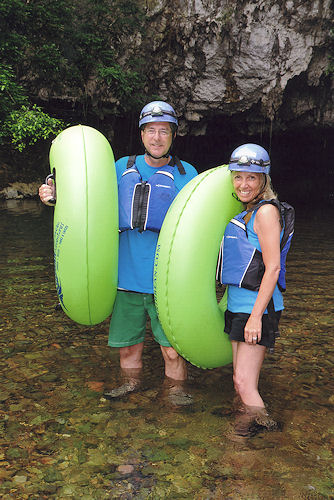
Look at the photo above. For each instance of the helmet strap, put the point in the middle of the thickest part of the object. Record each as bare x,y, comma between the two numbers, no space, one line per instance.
157,157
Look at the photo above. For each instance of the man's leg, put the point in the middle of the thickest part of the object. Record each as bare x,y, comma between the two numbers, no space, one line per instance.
127,332
174,386
175,365
130,357
131,370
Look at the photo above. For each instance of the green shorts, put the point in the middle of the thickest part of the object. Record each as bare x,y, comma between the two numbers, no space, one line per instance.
128,320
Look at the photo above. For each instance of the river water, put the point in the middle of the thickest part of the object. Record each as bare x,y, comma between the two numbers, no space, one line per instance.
61,439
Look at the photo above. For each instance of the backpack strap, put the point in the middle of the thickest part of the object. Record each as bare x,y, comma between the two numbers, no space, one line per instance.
288,215
276,204
274,332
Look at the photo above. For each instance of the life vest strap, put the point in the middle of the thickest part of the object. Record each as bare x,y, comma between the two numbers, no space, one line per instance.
140,202
172,162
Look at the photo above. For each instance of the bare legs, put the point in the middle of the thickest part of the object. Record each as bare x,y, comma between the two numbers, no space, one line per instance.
175,365
247,363
251,414
131,356
131,368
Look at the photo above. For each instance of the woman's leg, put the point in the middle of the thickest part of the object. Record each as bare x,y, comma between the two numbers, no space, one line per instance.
247,363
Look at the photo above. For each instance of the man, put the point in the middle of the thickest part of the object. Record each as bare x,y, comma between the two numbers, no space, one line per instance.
147,186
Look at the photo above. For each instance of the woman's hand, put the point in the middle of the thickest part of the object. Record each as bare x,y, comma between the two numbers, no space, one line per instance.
253,330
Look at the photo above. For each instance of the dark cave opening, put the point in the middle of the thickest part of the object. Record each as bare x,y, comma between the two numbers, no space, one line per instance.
302,168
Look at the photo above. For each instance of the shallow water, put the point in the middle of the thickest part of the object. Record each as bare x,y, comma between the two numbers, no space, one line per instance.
61,439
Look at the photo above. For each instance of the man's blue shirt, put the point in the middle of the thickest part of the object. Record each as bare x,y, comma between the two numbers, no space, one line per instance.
137,250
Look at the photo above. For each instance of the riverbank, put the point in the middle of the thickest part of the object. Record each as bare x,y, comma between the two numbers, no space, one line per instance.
20,190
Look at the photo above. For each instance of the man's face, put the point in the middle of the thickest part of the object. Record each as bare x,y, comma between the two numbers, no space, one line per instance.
157,138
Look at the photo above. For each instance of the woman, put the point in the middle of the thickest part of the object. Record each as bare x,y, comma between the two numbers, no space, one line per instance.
251,329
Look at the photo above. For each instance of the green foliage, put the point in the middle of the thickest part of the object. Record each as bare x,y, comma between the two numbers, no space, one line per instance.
64,46
20,124
13,22
27,125
11,93
128,85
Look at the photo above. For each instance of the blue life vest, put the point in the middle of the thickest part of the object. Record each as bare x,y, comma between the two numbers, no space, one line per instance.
240,263
144,204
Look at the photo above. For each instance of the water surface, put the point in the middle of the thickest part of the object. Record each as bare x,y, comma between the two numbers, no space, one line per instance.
61,439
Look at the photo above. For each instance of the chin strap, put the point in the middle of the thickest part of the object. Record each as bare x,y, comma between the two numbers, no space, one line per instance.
157,157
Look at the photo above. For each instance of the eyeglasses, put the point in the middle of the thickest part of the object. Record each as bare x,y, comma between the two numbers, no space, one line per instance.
161,132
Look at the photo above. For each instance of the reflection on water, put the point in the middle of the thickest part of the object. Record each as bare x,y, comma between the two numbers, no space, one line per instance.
61,439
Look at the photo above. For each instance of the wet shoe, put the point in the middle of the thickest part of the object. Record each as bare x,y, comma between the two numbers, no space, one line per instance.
266,422
252,420
118,392
180,398
175,393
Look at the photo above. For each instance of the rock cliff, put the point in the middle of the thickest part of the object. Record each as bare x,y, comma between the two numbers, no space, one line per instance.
250,60
235,71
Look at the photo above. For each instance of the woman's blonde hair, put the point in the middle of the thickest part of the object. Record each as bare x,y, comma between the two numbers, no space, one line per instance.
268,192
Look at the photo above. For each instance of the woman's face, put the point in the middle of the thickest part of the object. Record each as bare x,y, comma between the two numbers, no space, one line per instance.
247,185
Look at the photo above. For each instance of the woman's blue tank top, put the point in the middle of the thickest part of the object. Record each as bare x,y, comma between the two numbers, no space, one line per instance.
241,299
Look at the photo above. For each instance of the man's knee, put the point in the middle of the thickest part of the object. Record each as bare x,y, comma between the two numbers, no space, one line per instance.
169,353
131,352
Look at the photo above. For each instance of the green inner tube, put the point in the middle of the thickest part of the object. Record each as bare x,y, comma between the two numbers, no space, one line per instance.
185,269
85,224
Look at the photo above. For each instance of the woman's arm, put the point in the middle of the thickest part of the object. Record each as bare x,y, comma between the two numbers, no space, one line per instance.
268,228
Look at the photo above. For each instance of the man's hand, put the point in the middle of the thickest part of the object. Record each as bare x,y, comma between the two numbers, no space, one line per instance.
47,192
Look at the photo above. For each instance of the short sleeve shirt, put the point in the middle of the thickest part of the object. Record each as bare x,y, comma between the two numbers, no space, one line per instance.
137,250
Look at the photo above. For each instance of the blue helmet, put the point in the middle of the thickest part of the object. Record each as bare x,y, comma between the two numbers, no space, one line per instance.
250,158
157,111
